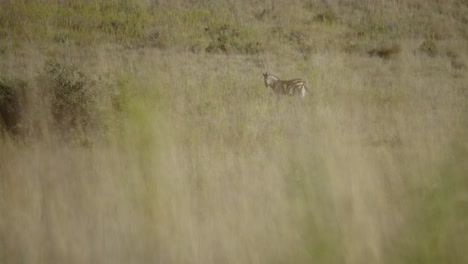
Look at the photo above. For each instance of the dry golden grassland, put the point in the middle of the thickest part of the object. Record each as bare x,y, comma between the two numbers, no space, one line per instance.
142,132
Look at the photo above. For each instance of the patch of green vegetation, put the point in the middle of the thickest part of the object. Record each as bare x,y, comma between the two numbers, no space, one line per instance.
129,22
26,20
436,231
40,20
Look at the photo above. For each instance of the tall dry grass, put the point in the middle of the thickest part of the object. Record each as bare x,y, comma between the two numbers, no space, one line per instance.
195,161
206,166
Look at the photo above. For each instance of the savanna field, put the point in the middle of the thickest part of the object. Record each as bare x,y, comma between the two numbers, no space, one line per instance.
142,131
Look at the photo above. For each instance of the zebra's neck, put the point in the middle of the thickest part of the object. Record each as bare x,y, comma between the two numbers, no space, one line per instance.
274,81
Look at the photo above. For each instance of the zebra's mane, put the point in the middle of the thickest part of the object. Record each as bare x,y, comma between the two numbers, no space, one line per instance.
274,77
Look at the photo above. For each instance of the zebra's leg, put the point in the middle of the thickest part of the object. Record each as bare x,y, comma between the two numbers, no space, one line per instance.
303,92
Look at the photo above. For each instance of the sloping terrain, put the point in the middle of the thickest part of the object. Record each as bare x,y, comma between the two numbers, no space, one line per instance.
142,132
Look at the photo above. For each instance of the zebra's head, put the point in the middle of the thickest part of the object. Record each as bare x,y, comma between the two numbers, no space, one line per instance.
269,79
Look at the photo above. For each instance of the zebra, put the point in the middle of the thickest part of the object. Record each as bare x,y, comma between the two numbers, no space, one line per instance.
287,87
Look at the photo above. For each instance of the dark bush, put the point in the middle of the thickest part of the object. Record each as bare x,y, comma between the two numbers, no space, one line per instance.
12,100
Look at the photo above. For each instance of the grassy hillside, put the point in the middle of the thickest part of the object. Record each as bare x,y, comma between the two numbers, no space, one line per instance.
142,132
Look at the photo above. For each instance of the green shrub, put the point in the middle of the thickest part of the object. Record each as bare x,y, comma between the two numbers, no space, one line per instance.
73,100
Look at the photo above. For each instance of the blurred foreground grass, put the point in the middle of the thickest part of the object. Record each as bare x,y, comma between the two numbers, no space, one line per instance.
114,150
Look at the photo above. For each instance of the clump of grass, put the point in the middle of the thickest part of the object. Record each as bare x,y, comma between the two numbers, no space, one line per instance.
299,40
158,39
223,39
264,13
429,47
328,16
385,52
456,60
124,24
228,39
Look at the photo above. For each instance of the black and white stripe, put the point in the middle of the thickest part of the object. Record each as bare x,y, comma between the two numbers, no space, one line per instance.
286,87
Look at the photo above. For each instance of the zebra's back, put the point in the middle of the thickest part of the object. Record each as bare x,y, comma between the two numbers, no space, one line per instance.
285,87
290,87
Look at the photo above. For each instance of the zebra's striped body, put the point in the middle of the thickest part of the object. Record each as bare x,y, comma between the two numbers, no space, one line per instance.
287,87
